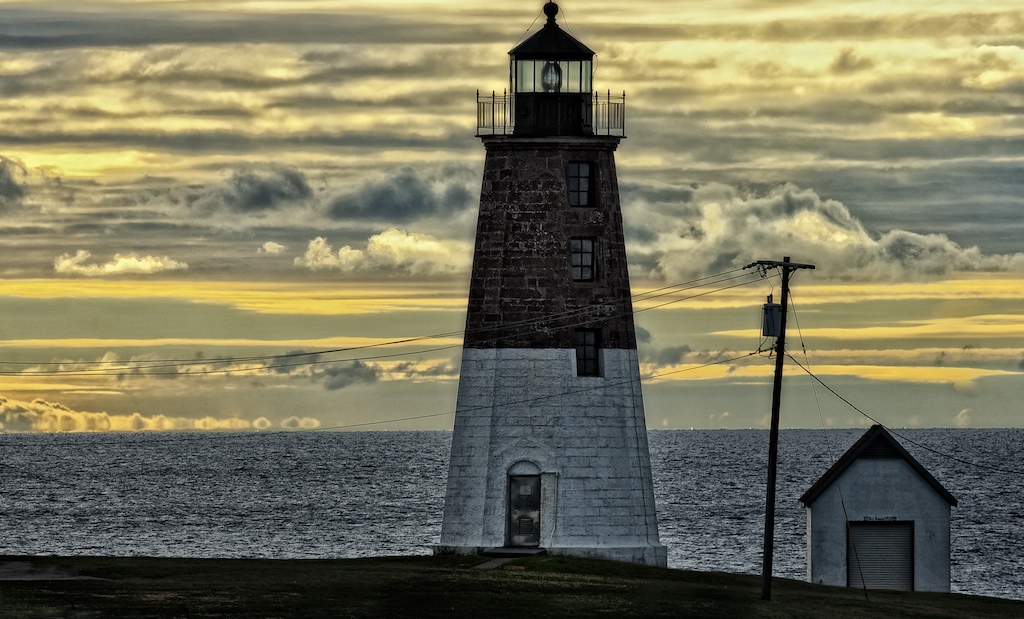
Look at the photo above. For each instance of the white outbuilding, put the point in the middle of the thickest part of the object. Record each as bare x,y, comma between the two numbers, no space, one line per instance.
877,519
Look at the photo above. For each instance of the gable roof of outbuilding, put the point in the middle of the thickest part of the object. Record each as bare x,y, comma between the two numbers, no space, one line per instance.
876,443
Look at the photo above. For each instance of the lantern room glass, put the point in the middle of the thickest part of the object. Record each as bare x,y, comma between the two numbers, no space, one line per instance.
574,76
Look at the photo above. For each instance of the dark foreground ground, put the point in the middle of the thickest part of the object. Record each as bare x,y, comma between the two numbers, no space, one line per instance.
535,587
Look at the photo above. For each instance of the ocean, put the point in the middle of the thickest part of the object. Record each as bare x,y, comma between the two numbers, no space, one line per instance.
334,494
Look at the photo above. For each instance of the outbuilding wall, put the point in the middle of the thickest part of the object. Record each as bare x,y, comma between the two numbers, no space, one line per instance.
879,490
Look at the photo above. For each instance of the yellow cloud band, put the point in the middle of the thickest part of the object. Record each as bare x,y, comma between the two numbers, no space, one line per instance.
271,298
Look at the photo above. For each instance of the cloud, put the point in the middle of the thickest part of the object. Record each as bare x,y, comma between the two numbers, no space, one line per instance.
272,248
405,195
722,228
643,336
300,423
339,376
391,251
418,370
672,355
848,62
66,264
962,419
12,189
334,376
142,27
260,189
42,416
301,365
255,190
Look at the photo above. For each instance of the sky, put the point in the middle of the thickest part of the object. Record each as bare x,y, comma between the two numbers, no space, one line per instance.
260,215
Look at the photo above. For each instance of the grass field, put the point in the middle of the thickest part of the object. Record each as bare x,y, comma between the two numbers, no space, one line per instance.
424,587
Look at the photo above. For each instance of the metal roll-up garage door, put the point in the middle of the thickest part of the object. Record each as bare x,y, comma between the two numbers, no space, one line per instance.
880,555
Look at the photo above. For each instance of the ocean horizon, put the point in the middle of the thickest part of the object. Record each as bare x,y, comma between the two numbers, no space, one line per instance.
358,494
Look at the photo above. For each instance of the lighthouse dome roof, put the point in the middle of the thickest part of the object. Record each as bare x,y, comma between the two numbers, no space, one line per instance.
551,42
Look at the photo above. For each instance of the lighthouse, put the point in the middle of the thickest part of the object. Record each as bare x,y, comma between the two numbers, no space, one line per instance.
549,447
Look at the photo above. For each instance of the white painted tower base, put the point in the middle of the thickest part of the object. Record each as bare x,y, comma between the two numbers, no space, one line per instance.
587,442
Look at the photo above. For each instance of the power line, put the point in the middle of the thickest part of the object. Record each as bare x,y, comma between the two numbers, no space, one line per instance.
531,400
830,449
578,317
161,363
909,440
169,438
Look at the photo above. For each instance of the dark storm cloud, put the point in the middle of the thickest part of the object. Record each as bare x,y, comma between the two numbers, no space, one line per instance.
290,362
334,376
425,98
822,112
912,25
44,29
116,223
12,231
171,76
741,131
993,105
260,189
239,142
298,364
352,63
185,75
405,195
39,29
93,113
741,146
849,62
672,355
438,370
643,336
657,193
12,189
339,376
56,76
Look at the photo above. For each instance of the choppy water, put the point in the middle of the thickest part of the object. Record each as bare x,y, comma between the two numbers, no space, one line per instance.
315,495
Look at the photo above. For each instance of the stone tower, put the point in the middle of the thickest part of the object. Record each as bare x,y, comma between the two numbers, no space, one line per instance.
549,450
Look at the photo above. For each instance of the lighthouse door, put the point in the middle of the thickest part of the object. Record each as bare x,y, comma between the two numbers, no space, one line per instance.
524,510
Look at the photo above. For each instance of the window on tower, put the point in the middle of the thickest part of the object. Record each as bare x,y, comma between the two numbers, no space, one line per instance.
582,259
579,184
587,343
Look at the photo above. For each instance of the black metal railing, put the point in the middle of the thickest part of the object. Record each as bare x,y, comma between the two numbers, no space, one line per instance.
496,114
610,114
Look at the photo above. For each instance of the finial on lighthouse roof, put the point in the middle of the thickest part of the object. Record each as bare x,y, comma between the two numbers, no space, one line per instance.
551,9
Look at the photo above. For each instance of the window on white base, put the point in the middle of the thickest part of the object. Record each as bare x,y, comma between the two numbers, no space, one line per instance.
588,347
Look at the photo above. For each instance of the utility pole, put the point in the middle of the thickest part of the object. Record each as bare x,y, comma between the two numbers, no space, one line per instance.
787,268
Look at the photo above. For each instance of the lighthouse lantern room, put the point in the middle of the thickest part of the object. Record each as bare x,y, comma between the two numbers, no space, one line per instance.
551,75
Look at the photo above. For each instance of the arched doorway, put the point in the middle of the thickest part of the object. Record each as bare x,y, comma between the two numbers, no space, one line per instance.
524,505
